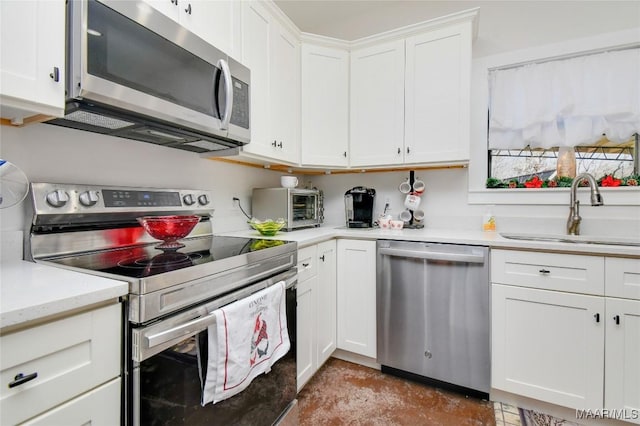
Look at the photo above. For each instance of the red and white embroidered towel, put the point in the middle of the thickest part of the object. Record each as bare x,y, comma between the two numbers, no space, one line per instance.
249,336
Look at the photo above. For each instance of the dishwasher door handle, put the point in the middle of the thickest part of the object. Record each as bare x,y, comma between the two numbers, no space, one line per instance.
433,255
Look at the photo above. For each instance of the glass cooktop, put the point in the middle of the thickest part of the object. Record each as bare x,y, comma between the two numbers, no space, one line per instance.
144,261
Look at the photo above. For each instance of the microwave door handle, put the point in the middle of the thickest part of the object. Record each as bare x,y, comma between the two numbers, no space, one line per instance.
228,87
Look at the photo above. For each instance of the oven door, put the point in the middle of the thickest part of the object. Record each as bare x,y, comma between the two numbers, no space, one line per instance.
303,209
165,386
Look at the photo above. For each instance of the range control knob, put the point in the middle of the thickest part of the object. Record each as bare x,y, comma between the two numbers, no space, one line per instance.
57,198
203,200
88,198
189,200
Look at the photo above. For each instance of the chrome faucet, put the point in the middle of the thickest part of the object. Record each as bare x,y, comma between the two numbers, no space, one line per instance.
573,222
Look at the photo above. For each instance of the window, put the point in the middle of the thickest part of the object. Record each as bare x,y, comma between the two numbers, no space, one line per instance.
584,104
515,167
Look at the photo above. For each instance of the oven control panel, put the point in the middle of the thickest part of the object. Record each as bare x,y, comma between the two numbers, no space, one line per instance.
74,199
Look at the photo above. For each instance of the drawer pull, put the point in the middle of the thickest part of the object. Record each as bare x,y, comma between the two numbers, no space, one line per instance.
597,317
322,257
306,265
617,319
21,379
544,271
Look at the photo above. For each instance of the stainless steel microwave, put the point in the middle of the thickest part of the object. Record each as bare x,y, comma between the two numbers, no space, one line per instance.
301,208
135,73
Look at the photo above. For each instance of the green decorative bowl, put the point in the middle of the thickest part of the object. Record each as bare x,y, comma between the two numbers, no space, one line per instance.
268,227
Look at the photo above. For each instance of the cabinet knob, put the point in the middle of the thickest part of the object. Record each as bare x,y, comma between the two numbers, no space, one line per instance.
305,265
322,257
174,2
20,379
274,144
617,319
408,150
544,271
597,317
188,9
399,150
344,154
55,75
280,144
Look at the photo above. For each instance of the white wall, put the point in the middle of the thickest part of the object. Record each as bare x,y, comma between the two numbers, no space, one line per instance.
48,153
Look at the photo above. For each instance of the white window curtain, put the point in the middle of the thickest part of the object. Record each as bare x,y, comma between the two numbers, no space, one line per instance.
566,102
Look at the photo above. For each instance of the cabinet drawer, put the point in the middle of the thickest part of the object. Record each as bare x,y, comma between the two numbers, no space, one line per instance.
307,263
99,407
622,277
70,356
551,271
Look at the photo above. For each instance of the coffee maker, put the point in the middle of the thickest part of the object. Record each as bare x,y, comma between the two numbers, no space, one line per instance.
358,204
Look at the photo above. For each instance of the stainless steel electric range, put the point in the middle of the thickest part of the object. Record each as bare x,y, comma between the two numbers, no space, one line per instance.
93,229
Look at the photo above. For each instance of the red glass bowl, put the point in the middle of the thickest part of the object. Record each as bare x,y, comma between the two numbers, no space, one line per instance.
169,229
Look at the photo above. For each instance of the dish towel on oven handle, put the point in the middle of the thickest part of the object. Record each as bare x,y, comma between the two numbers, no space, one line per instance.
249,336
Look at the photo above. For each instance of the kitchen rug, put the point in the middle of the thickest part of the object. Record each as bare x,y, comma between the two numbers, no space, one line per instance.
534,418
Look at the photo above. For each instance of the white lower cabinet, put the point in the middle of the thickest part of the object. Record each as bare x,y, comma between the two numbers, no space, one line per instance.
548,345
49,371
316,308
95,408
357,296
622,355
577,348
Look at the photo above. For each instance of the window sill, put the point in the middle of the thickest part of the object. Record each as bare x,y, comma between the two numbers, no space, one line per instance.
619,196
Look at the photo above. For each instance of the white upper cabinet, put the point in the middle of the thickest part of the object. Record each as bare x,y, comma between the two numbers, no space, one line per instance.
410,98
273,55
256,21
32,59
325,106
285,93
216,22
437,91
377,104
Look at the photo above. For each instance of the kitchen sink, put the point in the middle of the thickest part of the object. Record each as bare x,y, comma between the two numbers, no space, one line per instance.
573,239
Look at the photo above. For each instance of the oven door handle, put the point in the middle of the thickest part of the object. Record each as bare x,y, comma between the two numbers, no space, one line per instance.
186,329
183,330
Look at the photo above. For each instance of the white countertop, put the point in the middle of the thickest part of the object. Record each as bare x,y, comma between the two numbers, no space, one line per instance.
309,236
31,291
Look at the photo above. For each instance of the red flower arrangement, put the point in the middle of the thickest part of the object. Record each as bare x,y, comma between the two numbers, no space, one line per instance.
534,182
609,180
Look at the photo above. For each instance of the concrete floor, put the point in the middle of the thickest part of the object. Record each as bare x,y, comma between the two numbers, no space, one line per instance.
343,393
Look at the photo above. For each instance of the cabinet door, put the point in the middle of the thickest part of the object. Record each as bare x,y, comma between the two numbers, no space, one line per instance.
326,301
325,106
356,266
437,95
622,378
29,58
170,8
213,21
284,95
548,345
377,105
305,330
256,23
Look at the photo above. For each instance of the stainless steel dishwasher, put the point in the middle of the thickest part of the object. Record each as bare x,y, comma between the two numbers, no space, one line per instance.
433,314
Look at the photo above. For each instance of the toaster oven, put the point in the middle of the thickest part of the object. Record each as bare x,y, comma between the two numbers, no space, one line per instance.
301,208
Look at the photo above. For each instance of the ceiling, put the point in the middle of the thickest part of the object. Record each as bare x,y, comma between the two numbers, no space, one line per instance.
503,25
